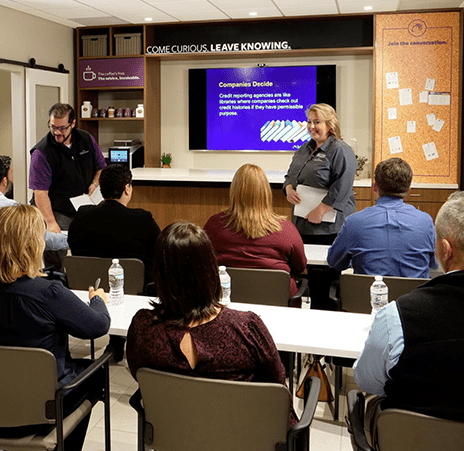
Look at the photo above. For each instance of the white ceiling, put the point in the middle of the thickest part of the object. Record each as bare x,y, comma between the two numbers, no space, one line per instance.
77,13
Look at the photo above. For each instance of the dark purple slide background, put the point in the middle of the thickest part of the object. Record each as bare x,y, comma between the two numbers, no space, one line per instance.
235,115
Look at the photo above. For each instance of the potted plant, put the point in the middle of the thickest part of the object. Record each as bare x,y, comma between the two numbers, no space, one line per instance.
166,159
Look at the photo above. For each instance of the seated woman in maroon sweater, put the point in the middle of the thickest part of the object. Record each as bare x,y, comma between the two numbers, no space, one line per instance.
188,331
249,234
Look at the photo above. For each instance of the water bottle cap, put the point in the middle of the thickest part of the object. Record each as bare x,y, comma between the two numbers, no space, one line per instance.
222,268
378,277
115,260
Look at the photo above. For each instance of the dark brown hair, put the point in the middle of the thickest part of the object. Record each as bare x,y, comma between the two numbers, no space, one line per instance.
393,177
186,275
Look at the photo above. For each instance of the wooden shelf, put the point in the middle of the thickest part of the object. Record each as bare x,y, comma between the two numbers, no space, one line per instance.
111,119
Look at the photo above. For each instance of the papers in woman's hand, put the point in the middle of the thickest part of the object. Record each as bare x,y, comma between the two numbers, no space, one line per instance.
310,199
94,199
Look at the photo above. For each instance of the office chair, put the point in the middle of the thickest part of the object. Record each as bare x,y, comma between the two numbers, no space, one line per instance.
191,413
30,396
263,286
351,293
402,430
268,287
81,273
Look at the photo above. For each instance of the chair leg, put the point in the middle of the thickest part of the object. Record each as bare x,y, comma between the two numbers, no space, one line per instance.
338,383
107,408
290,371
92,349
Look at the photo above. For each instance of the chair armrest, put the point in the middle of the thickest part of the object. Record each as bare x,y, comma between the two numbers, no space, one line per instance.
136,402
89,371
302,287
313,387
355,420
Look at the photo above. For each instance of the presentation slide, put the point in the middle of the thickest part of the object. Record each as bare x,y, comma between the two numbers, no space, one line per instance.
259,108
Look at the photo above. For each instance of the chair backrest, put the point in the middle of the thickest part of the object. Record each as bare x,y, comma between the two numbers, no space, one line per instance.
259,286
191,414
82,272
28,381
355,290
401,430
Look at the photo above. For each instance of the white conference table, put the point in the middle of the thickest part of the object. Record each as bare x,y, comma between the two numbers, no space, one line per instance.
316,254
338,334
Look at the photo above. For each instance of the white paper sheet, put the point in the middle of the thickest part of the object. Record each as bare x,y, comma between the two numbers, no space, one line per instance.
405,96
85,199
392,113
395,144
392,80
430,150
310,199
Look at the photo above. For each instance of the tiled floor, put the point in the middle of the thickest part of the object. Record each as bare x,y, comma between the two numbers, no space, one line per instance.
326,435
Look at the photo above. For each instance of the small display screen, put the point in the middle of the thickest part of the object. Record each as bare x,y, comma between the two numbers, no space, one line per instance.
119,156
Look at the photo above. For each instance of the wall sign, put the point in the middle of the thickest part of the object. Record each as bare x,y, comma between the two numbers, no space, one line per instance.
267,36
115,72
418,93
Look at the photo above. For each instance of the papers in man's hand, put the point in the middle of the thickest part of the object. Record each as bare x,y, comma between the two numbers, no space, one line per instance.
94,199
310,199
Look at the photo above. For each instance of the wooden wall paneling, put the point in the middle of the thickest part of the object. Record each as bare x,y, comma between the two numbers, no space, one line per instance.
152,107
189,202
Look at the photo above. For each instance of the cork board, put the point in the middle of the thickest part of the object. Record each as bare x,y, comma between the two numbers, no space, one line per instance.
417,93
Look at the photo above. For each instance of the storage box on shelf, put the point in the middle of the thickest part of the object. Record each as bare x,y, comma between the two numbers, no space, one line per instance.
95,45
128,43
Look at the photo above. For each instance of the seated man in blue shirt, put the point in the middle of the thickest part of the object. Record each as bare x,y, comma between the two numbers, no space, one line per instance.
391,238
418,339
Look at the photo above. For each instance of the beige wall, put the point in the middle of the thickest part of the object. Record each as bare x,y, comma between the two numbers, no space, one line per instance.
6,147
23,37
354,106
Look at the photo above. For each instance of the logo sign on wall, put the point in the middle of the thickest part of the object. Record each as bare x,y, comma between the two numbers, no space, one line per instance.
118,72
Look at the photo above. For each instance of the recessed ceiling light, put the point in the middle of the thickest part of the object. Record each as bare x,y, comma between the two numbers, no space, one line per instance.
253,14
368,8
148,19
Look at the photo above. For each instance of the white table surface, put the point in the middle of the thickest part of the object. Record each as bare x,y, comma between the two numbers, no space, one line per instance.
338,334
316,254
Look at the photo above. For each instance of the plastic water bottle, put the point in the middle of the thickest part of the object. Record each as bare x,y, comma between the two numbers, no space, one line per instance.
225,284
379,295
116,281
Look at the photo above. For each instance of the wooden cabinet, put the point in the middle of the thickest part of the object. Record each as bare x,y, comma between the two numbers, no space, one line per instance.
363,197
428,199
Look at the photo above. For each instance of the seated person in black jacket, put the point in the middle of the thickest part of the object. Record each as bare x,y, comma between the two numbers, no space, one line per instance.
113,230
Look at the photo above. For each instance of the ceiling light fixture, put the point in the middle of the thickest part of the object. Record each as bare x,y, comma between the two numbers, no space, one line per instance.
253,14
368,8
148,19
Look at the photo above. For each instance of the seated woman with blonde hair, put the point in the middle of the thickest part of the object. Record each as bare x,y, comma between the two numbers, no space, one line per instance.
248,234
39,313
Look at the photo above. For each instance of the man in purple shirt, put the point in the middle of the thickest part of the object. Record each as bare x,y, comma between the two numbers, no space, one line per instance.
65,163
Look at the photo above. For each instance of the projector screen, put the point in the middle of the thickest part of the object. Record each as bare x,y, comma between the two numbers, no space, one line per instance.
255,108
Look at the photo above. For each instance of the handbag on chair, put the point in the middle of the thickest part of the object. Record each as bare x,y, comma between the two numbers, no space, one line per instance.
315,369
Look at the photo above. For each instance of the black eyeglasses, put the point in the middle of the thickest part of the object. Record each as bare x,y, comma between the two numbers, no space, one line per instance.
60,129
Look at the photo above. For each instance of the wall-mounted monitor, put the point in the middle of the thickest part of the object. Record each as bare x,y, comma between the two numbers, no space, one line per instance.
255,108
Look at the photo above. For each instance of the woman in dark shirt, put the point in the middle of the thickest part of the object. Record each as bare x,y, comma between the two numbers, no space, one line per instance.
43,310
324,162
188,331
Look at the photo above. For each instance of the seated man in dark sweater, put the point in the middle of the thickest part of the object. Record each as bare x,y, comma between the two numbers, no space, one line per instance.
418,339
113,230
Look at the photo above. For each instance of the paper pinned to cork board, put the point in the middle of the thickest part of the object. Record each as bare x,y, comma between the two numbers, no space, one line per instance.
310,199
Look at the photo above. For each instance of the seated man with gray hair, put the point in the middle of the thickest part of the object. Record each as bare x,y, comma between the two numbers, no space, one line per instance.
418,340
